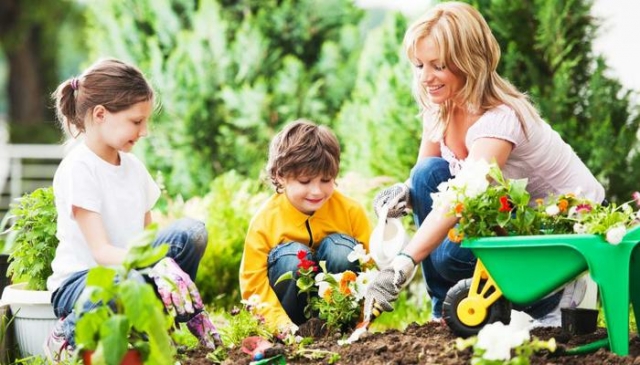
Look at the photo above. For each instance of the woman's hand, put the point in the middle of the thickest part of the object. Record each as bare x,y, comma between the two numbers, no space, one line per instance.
386,287
394,198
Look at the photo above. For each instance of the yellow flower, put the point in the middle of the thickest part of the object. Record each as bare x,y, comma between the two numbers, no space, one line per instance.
454,235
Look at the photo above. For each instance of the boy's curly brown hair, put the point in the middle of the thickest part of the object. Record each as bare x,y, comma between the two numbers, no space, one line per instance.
303,148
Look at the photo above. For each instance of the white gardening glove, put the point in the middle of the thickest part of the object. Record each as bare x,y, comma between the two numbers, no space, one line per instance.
394,198
386,287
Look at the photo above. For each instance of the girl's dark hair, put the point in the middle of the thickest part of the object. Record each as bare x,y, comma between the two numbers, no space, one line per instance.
303,149
109,82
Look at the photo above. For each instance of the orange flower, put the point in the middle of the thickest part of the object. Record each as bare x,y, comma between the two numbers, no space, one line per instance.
454,235
563,204
347,277
459,208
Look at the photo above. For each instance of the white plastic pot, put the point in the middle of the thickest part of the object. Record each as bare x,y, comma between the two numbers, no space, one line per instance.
33,317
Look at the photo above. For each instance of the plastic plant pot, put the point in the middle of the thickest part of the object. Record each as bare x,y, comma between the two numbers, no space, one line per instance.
132,357
579,321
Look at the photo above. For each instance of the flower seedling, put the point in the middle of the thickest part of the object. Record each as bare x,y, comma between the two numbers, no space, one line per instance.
488,204
134,317
335,298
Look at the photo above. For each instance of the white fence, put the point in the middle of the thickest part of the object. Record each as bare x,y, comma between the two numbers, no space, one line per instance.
31,166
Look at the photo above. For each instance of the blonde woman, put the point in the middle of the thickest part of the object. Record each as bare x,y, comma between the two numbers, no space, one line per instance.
469,112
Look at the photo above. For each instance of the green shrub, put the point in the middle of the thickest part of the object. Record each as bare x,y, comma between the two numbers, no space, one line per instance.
33,238
231,202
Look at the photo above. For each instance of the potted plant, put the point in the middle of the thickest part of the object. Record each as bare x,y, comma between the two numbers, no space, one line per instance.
32,241
133,328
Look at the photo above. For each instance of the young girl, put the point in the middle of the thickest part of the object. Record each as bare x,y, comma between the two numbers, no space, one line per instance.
305,214
104,194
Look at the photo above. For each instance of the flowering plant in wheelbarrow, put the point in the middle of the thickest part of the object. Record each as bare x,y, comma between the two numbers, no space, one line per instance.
335,298
496,206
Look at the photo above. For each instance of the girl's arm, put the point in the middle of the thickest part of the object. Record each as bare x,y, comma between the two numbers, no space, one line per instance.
435,226
95,234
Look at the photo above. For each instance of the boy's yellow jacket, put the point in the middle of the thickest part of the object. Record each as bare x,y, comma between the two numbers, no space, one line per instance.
278,222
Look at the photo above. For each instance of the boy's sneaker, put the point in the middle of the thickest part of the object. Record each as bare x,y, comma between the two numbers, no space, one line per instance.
56,346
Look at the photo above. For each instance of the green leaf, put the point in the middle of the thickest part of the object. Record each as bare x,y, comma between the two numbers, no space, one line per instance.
518,192
286,276
113,336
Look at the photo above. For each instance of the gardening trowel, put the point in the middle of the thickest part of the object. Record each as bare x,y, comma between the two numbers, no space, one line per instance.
363,327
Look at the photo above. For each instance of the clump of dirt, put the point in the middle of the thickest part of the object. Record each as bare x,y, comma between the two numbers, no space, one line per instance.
431,343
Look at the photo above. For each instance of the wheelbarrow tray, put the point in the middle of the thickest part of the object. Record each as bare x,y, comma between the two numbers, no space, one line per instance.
527,268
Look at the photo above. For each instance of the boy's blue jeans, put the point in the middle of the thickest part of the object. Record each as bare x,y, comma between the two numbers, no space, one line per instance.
187,240
284,258
449,262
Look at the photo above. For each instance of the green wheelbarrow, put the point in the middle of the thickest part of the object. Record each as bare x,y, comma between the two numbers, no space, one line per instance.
524,269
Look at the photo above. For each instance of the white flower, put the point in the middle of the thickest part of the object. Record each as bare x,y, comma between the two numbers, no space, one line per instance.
552,210
616,233
254,301
472,178
497,340
362,282
579,228
470,182
358,254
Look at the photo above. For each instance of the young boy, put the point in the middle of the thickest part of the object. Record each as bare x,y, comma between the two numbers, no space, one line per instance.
305,214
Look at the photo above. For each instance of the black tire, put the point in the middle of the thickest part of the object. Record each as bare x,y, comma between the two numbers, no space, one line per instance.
500,310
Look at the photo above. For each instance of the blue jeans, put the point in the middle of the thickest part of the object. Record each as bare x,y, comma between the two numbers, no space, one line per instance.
283,258
449,262
187,240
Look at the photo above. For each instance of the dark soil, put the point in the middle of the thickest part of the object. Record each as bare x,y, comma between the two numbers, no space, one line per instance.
432,344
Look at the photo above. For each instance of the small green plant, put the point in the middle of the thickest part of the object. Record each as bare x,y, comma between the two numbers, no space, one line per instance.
5,322
334,298
134,317
32,238
245,322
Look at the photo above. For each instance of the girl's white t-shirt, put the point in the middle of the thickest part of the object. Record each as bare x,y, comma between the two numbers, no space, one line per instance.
120,194
550,164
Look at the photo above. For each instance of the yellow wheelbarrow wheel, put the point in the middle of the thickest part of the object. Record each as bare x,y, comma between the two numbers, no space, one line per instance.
466,313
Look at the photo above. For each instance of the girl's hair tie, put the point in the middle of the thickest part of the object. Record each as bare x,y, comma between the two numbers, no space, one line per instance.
74,83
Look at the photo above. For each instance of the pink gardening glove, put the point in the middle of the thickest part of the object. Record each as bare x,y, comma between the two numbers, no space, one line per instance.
177,291
202,327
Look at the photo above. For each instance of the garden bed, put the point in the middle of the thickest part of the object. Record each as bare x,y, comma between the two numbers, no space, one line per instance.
433,343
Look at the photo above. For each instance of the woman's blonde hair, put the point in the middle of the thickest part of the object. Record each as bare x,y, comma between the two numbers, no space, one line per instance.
465,41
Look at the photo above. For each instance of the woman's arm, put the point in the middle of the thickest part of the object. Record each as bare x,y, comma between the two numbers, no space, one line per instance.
95,234
436,225
428,148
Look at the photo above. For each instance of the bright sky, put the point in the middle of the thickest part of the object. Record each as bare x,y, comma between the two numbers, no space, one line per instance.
618,41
